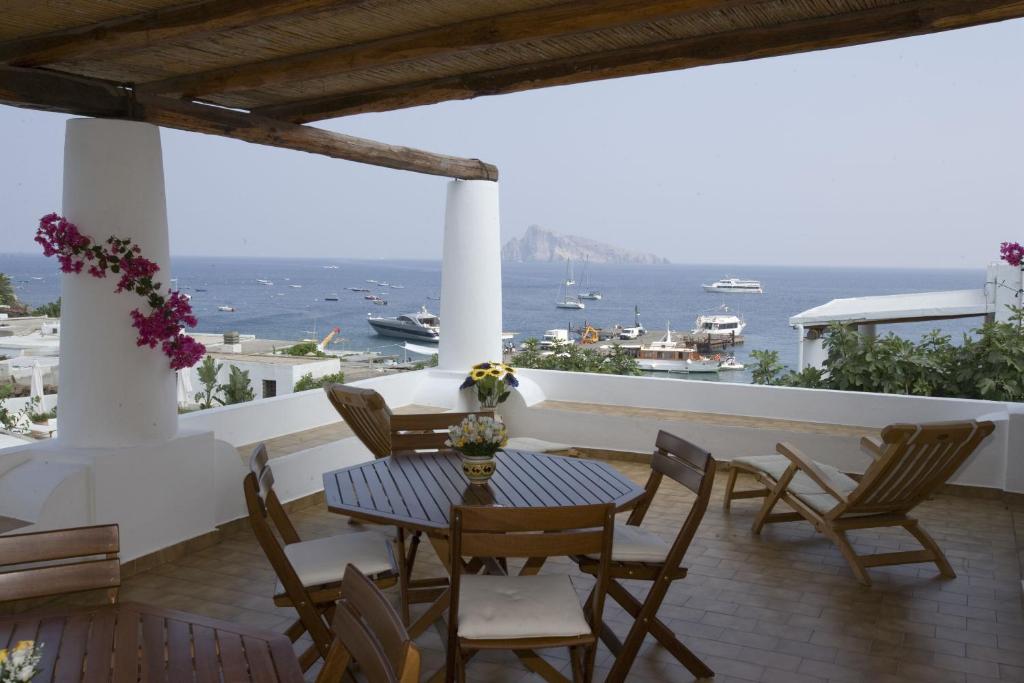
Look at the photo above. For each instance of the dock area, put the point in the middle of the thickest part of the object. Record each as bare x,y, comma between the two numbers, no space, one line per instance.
702,342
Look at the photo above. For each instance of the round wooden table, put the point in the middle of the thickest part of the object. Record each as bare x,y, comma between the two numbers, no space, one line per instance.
416,491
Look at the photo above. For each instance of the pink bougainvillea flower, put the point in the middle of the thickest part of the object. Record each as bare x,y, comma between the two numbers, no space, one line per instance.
1012,253
167,316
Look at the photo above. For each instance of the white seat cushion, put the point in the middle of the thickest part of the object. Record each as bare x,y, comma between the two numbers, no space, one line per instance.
802,486
324,560
633,544
542,606
526,443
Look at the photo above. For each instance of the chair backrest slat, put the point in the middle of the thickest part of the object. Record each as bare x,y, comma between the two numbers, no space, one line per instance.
366,412
367,627
378,614
47,563
482,531
915,461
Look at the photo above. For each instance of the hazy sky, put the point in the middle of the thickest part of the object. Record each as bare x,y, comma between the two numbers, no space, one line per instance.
909,152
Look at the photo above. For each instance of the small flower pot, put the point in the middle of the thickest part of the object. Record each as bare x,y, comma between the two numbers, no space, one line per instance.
478,468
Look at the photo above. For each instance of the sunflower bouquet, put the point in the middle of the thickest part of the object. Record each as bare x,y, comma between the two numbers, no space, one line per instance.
19,664
493,382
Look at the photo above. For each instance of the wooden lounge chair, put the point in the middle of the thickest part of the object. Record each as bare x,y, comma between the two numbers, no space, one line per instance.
370,632
309,572
59,562
385,433
528,611
640,555
910,463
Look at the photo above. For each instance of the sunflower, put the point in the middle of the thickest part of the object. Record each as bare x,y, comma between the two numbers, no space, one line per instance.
494,372
479,374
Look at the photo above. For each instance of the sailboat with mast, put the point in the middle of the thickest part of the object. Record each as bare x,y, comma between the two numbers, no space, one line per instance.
565,297
588,290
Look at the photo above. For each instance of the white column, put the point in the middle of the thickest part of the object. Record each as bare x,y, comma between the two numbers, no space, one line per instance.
112,392
868,330
471,276
1003,285
799,348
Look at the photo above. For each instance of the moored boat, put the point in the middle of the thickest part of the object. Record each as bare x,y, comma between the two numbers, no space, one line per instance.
719,324
734,285
423,326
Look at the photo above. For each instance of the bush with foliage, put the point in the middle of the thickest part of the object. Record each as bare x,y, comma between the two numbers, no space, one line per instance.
303,349
986,365
576,358
238,388
307,381
208,371
50,310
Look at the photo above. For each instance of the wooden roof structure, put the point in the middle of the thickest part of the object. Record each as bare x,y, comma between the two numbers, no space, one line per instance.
258,70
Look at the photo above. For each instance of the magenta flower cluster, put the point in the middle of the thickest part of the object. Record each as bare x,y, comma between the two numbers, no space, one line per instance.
168,315
1012,253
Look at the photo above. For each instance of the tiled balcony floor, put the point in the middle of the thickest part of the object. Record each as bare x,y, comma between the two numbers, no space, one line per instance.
782,607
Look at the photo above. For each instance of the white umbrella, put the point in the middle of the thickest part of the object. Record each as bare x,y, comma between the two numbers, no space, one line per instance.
36,390
186,394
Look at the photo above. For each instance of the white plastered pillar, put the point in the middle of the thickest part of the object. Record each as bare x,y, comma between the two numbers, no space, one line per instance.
112,392
470,276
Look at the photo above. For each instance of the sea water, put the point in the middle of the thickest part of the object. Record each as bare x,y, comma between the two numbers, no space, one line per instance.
665,295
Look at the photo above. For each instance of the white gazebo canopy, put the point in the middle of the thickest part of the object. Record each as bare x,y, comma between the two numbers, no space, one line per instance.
898,308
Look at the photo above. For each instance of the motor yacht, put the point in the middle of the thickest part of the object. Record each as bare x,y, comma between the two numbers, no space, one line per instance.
719,324
423,326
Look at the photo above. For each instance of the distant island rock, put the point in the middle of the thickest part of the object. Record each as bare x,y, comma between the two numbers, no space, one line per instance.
540,244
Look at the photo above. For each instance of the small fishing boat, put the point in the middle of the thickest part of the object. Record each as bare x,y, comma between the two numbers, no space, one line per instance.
371,297
266,283
332,297
730,363
357,289
380,302
384,283
372,281
226,309
200,289
295,286
397,286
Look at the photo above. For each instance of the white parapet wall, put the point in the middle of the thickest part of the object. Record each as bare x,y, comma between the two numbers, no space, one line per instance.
998,463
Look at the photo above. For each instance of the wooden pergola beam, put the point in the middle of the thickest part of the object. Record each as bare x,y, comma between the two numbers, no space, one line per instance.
577,16
52,91
883,23
193,19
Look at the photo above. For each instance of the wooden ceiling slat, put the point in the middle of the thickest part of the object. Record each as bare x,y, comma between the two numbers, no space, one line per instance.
52,91
912,17
557,20
193,19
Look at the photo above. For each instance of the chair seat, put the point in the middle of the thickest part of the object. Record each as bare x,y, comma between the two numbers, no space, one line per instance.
323,560
801,486
526,443
502,607
633,544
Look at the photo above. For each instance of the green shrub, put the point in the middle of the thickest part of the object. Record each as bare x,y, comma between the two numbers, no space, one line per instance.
307,382
50,310
238,388
576,358
988,365
304,349
207,372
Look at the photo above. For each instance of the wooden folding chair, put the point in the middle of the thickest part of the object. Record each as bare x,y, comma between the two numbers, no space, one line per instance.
47,563
385,433
309,572
640,555
370,632
529,611
910,463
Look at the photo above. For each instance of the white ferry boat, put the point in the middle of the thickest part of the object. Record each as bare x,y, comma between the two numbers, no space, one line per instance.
733,285
723,324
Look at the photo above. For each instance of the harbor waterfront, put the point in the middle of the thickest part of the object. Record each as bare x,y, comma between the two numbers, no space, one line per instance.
665,294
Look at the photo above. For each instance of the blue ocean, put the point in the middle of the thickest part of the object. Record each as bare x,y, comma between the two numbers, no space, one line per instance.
295,306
